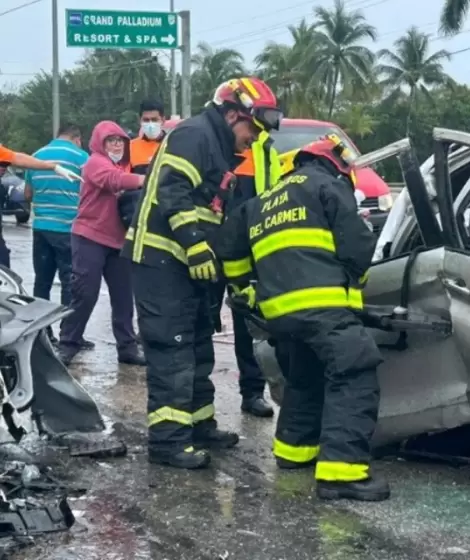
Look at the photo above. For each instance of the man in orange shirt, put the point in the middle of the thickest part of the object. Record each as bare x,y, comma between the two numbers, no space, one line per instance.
150,138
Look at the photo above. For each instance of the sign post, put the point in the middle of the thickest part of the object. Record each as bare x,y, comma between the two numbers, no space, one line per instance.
106,29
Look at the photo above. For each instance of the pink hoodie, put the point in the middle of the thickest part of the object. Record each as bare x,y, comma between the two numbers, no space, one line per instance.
98,216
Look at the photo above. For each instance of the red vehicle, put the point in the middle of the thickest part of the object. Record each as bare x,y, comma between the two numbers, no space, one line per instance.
295,133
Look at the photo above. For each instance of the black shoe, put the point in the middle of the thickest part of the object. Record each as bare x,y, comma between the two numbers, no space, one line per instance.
285,464
257,406
86,344
132,357
368,490
187,459
212,438
67,352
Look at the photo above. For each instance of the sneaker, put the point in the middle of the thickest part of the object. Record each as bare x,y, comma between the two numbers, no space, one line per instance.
368,490
86,344
257,406
213,438
190,458
132,357
67,352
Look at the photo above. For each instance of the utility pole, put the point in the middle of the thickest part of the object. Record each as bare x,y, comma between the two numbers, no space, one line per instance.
55,71
174,110
186,64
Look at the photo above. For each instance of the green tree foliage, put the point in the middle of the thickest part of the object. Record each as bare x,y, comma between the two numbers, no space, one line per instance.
453,15
326,71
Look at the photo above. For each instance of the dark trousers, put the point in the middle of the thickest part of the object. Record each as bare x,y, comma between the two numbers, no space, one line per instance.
331,397
251,379
52,253
176,331
91,262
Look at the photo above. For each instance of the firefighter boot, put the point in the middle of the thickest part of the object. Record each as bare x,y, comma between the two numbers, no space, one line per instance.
189,458
257,406
206,435
367,490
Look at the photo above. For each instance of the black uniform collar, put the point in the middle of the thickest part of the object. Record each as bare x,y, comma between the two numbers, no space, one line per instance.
223,132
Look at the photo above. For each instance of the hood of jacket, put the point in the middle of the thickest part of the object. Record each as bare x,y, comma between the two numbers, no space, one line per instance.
104,129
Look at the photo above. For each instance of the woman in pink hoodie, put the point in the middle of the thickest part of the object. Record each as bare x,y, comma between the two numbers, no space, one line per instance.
97,238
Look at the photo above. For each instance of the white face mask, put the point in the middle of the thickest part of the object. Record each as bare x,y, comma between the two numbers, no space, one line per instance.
152,129
116,158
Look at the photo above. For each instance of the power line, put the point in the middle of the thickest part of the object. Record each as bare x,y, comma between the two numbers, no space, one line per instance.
20,7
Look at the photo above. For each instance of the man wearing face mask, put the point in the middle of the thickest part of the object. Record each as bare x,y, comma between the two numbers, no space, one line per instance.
151,136
182,207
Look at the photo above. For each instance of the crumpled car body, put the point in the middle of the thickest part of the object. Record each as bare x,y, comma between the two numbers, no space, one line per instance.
425,377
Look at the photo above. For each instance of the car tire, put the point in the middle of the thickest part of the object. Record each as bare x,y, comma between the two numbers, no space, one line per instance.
22,217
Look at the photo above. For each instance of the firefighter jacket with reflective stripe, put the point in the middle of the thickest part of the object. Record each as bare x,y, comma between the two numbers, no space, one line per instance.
174,211
142,151
304,243
259,169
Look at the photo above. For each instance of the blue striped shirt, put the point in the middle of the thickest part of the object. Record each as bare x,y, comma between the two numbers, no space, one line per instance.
55,199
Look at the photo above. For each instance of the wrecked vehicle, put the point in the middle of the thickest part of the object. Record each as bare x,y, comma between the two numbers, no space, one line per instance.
418,300
33,380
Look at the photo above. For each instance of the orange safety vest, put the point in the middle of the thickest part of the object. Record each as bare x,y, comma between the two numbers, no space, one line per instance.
142,151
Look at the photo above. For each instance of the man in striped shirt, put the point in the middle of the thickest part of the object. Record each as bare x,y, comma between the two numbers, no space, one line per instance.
55,205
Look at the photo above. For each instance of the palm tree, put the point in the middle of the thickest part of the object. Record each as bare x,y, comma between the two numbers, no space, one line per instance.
285,66
339,57
211,68
129,72
453,15
413,67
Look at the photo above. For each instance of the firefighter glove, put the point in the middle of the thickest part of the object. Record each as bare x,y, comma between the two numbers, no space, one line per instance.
247,295
202,262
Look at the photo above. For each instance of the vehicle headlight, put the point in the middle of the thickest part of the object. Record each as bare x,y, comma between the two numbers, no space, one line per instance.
385,202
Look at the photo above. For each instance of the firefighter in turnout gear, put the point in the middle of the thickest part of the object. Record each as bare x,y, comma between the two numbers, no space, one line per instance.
169,242
259,169
309,251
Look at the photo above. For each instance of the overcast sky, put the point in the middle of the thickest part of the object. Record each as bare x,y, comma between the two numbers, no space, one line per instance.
25,37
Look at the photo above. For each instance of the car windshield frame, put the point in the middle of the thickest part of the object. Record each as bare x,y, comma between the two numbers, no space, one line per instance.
292,137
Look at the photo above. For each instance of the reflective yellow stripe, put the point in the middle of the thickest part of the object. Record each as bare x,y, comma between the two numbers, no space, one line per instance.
310,298
165,244
206,215
130,233
259,163
169,414
183,166
182,218
150,195
197,249
314,238
341,472
232,269
363,279
250,87
296,454
355,299
204,413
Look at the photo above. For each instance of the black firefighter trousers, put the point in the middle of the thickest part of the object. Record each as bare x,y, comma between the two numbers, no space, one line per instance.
251,380
331,398
176,331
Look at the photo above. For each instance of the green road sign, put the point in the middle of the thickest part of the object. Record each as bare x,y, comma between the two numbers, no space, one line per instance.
105,29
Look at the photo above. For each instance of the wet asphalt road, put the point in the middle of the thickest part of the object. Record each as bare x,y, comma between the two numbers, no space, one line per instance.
242,508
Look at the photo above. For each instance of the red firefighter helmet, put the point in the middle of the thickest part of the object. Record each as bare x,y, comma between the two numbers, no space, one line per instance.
253,99
331,148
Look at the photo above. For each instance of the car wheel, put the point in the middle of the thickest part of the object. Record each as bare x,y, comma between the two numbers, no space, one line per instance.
22,217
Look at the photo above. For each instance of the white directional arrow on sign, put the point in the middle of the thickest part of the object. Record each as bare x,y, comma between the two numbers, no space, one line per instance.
169,40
